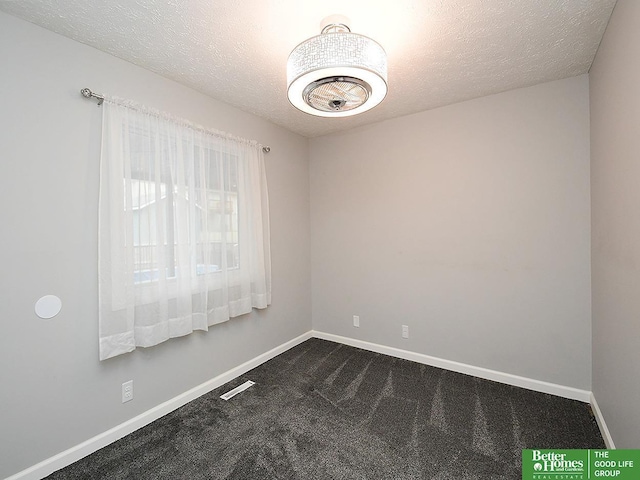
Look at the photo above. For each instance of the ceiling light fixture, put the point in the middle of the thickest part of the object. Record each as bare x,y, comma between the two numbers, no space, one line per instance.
337,73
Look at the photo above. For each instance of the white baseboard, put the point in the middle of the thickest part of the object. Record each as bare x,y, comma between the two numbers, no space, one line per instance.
606,435
91,445
509,379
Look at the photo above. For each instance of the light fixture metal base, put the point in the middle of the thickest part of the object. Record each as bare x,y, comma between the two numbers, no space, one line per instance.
335,21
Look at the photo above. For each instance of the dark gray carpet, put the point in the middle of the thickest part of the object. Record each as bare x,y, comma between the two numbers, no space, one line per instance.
327,411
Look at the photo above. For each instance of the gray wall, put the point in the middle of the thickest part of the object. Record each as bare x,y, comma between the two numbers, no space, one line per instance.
54,391
615,187
470,224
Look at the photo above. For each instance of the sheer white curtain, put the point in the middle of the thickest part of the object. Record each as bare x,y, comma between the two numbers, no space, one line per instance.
183,228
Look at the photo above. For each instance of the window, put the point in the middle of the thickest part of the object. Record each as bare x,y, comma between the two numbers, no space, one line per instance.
215,203
184,231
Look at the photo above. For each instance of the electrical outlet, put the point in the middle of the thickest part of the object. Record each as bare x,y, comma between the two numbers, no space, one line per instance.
405,331
127,391
356,321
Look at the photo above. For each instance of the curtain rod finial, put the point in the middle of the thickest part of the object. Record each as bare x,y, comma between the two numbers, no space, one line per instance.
87,93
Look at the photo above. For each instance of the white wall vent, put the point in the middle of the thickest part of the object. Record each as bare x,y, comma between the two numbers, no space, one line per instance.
237,390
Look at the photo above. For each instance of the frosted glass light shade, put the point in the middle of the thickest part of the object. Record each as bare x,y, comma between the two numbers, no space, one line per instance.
339,54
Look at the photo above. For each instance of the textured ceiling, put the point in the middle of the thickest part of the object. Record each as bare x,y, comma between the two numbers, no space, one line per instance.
440,51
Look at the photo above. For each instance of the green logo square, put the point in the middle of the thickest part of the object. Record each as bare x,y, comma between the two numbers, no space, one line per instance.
555,464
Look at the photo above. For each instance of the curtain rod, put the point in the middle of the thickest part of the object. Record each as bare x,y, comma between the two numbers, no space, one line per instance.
87,93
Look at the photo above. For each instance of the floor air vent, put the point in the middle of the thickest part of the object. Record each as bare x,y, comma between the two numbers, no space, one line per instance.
237,390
